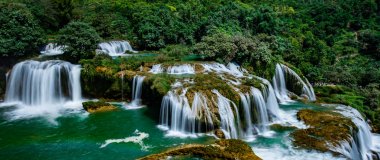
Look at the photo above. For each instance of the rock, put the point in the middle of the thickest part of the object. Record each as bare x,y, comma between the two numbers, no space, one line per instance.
221,149
99,106
326,128
220,134
281,128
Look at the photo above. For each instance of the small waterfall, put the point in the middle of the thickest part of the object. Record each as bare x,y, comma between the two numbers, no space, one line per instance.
52,49
279,84
361,145
231,69
137,90
116,48
271,100
260,110
177,116
181,69
246,105
41,87
157,68
227,118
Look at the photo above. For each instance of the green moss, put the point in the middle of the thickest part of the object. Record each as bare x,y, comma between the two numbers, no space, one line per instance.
92,106
160,82
326,128
221,149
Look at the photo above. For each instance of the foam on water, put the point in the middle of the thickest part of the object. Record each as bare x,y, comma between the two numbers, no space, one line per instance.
138,139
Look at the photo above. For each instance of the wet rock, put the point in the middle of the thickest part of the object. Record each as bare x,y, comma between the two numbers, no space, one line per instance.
221,149
99,106
326,128
219,133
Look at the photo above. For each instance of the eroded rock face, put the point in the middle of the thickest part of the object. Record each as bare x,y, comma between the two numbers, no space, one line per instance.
221,149
326,129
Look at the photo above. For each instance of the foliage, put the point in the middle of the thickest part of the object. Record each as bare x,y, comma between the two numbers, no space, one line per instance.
81,40
19,31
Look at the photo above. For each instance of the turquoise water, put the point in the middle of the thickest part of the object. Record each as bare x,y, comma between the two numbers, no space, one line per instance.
79,136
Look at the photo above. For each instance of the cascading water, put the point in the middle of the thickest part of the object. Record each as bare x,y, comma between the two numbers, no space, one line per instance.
279,84
137,90
116,48
44,86
177,116
227,118
261,110
52,49
181,69
271,101
362,145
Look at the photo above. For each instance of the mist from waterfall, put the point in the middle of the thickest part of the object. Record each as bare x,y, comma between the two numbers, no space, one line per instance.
116,48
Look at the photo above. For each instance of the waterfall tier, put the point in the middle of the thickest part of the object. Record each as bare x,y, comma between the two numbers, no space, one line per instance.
52,49
284,74
116,48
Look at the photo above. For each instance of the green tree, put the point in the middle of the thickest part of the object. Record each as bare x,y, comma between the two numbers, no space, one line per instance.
81,40
19,32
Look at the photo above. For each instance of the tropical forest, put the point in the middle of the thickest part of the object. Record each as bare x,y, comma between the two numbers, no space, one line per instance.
190,79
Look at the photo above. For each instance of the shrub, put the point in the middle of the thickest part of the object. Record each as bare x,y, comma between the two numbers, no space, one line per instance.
81,39
19,32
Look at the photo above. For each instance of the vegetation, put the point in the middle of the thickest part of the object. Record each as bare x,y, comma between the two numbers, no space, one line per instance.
20,33
81,40
99,106
221,149
326,128
330,42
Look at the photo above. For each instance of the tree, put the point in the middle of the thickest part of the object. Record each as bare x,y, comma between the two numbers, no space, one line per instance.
19,32
81,40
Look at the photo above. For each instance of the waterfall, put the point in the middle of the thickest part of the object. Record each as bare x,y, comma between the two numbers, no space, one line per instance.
279,84
227,118
271,101
231,69
260,110
43,87
245,100
176,69
181,69
52,49
177,116
137,90
116,48
157,68
361,145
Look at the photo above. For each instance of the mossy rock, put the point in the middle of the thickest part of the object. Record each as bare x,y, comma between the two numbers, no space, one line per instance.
221,149
281,128
99,106
326,128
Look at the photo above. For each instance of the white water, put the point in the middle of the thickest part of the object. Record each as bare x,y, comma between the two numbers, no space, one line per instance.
176,69
180,119
156,69
134,139
261,110
52,49
181,69
116,48
40,88
363,144
227,118
231,69
136,91
279,84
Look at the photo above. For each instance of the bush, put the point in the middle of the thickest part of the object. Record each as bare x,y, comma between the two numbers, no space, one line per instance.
19,32
81,39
